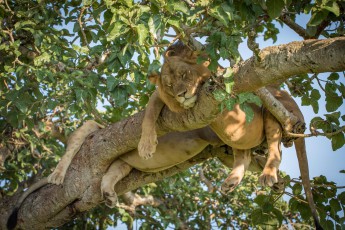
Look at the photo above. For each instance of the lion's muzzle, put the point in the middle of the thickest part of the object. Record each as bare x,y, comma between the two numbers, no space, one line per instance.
185,102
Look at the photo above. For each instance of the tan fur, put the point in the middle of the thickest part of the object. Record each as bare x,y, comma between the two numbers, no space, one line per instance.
230,126
172,149
177,95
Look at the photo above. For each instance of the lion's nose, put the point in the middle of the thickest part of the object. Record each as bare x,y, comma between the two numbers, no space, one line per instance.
182,93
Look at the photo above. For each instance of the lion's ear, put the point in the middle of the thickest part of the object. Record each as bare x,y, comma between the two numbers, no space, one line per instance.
204,72
153,77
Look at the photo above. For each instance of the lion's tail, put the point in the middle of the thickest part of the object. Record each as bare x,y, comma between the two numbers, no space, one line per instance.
304,169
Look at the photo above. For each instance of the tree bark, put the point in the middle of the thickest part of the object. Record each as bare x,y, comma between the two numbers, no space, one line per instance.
55,205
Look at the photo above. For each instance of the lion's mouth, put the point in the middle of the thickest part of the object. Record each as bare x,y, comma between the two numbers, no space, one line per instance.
187,103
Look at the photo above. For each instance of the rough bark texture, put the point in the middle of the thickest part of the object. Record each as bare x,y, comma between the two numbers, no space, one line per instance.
54,205
283,115
278,63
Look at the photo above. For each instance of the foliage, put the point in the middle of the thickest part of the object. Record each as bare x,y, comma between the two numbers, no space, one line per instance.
61,61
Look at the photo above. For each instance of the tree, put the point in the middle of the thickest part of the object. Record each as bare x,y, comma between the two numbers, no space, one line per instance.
61,60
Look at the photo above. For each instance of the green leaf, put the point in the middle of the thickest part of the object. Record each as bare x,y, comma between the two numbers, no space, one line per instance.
116,30
317,18
333,76
249,98
248,111
274,8
43,58
332,6
143,33
218,13
260,200
333,117
297,189
338,141
111,83
180,6
230,103
22,24
335,205
154,67
341,198
174,21
333,101
314,97
219,95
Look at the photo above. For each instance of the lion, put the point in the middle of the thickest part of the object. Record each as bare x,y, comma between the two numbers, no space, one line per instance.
177,86
173,148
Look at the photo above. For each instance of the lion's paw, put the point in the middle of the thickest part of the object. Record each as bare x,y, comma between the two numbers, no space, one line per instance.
57,177
110,197
231,183
268,177
147,146
279,186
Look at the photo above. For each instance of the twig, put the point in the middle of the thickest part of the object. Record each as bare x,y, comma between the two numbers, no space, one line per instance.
293,25
206,181
81,26
9,8
252,45
287,119
319,185
341,129
9,32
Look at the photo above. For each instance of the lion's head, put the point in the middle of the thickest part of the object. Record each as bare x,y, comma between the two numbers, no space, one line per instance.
180,77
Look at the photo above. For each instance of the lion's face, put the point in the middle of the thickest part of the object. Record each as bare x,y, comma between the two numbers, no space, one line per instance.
179,82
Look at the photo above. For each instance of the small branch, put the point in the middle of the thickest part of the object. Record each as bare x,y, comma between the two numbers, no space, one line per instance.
81,26
293,25
8,7
341,129
252,45
133,200
206,181
10,33
287,119
319,185
321,28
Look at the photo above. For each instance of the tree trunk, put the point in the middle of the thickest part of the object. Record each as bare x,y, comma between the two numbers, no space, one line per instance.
55,205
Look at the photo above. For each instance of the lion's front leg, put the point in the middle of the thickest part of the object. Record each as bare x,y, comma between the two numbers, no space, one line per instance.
242,160
148,141
117,170
273,132
147,144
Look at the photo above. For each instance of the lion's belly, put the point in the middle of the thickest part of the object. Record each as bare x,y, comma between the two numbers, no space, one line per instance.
172,149
232,129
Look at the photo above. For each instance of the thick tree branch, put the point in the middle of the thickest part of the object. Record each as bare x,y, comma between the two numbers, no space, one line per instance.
278,63
278,110
54,205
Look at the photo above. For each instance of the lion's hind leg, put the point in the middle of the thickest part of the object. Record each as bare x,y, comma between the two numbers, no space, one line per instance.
242,160
74,143
117,170
273,131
